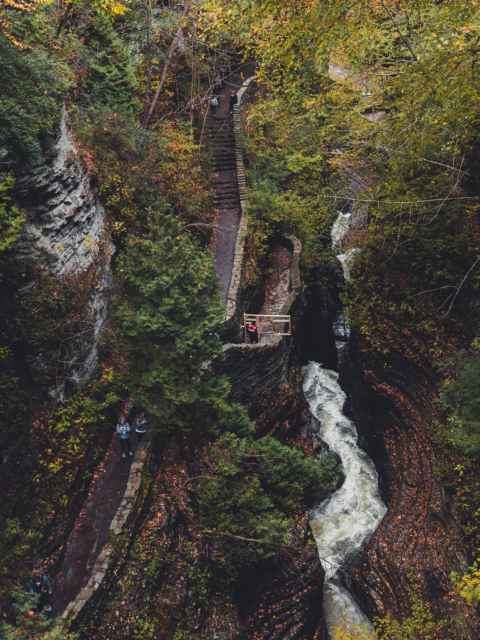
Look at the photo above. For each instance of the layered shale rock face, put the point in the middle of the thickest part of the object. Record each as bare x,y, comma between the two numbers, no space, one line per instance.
284,597
417,541
65,236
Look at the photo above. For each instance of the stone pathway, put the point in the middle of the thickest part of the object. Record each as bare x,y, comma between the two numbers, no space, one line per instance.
111,498
227,200
228,211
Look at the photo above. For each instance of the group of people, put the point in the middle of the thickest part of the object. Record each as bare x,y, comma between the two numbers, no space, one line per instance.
39,584
124,432
217,96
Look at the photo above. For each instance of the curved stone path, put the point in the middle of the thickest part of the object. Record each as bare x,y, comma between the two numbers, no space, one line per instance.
111,498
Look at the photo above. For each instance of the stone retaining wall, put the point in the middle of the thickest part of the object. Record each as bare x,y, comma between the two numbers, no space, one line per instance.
127,507
261,369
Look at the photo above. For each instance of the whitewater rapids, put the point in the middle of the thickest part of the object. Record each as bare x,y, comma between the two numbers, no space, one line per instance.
344,523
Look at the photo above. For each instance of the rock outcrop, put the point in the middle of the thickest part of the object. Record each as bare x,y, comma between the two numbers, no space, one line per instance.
418,540
65,236
284,597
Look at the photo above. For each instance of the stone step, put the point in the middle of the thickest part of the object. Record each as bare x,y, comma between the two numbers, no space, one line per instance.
220,201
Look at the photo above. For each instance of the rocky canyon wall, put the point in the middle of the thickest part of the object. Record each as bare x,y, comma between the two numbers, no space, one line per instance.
65,236
418,541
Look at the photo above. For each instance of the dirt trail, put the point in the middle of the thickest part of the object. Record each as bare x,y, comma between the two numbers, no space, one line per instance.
93,525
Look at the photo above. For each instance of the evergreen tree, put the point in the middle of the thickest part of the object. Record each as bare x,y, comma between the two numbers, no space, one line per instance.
30,626
111,79
167,309
248,504
32,89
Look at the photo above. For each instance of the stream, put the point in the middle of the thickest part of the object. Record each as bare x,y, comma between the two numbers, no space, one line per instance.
343,523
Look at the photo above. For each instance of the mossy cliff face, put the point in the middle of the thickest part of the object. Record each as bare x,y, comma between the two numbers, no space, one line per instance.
418,541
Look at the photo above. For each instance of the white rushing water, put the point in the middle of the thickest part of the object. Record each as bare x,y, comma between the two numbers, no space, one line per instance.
342,524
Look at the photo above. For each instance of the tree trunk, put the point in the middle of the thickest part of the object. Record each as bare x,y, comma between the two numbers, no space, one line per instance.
146,120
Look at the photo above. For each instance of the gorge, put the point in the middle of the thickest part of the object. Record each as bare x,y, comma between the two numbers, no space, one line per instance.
167,169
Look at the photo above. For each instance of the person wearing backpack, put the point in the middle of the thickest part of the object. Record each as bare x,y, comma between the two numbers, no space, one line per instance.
123,432
40,585
252,332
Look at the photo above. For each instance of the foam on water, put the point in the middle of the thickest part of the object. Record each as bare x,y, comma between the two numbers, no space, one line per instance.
340,227
342,524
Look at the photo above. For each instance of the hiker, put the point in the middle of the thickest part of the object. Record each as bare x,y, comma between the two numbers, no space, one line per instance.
40,585
233,102
141,425
214,337
123,431
214,104
252,332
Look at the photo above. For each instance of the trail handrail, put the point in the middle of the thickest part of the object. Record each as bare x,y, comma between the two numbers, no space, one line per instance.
275,320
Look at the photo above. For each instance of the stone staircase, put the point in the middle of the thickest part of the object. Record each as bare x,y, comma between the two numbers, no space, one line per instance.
224,163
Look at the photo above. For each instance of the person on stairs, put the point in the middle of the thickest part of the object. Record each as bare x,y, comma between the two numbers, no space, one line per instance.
214,104
40,585
123,432
252,332
233,102
141,426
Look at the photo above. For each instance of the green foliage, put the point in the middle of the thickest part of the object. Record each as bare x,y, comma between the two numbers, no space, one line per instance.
286,176
11,219
166,309
31,627
88,410
110,79
140,169
247,506
469,585
17,547
32,89
420,626
462,393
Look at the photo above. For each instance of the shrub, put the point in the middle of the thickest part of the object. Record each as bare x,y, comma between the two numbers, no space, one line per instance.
463,394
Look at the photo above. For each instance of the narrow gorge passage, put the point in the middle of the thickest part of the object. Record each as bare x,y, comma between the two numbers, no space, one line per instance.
344,523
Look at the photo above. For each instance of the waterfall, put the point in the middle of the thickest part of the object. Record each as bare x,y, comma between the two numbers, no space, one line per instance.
344,523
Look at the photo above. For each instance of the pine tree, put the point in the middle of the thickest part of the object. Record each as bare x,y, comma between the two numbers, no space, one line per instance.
111,79
167,310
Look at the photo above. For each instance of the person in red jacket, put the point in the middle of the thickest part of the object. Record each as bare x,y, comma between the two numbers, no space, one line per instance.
252,332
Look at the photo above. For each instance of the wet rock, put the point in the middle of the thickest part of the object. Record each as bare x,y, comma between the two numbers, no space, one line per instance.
316,337
283,598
